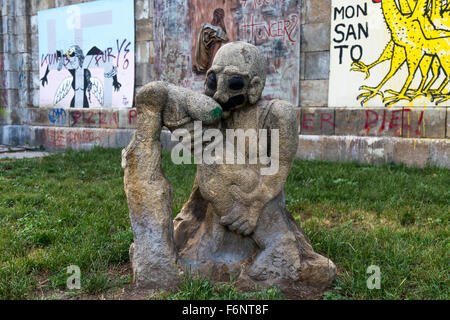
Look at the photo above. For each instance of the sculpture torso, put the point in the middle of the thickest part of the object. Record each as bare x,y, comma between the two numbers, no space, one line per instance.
216,179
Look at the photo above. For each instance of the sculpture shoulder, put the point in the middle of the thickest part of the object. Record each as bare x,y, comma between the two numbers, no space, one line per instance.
282,110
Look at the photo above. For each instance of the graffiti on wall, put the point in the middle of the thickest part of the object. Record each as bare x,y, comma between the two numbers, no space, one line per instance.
85,118
188,34
87,55
390,52
395,122
64,138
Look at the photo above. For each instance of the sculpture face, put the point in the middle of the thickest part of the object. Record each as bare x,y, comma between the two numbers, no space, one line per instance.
237,76
228,87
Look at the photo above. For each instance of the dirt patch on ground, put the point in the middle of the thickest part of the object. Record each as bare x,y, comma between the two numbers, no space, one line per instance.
125,292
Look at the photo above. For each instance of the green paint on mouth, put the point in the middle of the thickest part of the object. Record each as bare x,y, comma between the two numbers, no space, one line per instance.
214,114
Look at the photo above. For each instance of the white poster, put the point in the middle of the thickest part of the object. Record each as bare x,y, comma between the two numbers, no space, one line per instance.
87,55
389,53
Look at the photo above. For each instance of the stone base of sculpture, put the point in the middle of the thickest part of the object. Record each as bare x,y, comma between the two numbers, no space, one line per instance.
277,254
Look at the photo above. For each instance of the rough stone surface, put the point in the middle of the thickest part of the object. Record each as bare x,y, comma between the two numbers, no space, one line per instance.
23,155
40,117
235,223
316,11
61,138
316,37
376,150
317,65
440,153
314,93
13,135
415,154
448,123
424,123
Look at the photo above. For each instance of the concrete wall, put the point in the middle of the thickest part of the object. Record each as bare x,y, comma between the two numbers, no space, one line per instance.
414,136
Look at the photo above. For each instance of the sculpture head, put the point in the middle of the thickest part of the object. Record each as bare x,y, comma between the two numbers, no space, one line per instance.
237,76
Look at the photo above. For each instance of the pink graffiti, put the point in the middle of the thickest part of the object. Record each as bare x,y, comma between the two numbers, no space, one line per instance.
80,118
62,139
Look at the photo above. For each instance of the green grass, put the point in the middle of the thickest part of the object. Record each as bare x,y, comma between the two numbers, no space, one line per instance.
70,209
204,289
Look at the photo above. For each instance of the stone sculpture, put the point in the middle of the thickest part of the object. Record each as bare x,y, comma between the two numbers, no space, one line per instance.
235,223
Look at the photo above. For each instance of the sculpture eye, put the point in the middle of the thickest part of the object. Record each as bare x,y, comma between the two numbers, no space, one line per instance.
211,81
236,83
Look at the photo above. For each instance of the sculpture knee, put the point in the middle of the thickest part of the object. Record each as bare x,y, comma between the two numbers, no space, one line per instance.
152,97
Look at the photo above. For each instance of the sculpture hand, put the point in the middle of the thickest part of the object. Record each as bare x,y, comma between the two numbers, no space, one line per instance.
244,217
242,220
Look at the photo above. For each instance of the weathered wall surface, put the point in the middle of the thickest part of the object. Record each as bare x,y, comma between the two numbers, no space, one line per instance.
184,26
413,134
15,62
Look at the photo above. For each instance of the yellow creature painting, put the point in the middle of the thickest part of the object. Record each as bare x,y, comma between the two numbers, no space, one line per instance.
420,36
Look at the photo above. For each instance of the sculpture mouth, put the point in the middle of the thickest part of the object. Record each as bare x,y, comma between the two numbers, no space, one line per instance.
233,102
